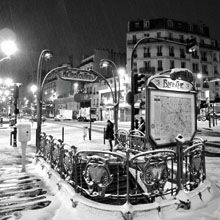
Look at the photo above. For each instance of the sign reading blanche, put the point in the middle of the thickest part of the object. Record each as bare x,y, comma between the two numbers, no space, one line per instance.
169,84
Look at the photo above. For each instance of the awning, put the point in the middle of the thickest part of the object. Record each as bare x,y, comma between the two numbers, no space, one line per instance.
214,80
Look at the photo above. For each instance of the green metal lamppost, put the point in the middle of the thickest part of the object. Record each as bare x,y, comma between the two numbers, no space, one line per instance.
116,95
45,54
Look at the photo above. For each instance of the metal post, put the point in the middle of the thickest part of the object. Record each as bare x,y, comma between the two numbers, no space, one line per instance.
16,116
39,100
128,179
213,119
104,136
209,118
179,140
63,134
90,121
39,93
15,137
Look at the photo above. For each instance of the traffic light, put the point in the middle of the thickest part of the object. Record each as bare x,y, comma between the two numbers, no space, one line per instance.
139,82
16,92
191,45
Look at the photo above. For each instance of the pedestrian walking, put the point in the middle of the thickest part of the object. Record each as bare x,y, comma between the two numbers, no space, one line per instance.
85,129
142,125
109,133
136,123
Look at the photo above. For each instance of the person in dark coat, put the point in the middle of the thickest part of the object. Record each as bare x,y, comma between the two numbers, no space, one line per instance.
142,125
109,133
136,123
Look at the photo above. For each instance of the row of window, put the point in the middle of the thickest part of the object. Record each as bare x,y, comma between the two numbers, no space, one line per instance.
170,24
195,66
182,53
50,85
180,38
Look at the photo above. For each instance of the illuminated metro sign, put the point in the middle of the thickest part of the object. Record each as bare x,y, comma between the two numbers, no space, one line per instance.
74,74
169,84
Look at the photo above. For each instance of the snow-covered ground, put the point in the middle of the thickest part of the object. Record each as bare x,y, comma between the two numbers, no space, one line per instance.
61,206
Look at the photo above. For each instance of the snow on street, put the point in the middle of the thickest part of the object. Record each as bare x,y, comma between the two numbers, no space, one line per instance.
31,196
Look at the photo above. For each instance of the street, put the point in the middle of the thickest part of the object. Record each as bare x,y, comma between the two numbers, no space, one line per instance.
26,191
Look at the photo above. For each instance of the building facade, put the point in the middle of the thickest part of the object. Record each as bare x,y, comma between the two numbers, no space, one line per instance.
59,94
170,52
99,92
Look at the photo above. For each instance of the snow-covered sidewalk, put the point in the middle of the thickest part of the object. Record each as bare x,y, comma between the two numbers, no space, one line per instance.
53,204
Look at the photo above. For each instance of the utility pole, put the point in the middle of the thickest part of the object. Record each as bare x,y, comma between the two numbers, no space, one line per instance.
16,112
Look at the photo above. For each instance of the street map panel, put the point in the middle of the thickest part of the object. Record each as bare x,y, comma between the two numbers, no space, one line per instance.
171,114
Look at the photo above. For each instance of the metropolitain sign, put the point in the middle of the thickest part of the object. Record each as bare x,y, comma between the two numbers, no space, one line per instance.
74,74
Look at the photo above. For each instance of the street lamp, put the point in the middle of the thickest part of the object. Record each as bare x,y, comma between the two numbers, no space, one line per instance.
9,48
33,89
116,97
39,94
45,54
190,46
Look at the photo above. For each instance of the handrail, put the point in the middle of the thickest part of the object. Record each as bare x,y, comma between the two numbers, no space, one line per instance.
136,177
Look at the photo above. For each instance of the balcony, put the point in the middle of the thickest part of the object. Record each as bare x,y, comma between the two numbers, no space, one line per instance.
171,54
195,56
205,85
205,72
182,56
147,55
204,59
147,70
208,46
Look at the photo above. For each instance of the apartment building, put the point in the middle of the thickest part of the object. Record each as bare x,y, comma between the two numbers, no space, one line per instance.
99,93
170,52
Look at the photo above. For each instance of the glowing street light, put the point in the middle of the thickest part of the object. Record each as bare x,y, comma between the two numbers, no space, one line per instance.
199,75
8,47
33,88
9,82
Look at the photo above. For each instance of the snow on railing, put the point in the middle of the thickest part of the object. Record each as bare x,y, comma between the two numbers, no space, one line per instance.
128,176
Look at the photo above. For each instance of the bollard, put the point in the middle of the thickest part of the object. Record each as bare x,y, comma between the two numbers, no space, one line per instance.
15,137
24,135
104,136
179,141
11,137
63,134
1,122
23,156
90,133
84,132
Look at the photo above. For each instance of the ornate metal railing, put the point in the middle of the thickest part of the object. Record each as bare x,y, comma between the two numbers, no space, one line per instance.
128,176
194,170
154,172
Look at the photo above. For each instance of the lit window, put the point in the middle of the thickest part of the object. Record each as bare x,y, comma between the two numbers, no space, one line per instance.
170,23
146,24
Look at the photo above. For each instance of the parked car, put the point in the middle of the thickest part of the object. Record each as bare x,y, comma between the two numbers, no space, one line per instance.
61,118
34,118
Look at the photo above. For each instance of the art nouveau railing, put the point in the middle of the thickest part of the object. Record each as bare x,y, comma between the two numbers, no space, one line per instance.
194,164
128,176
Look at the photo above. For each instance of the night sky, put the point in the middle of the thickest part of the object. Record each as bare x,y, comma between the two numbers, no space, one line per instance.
76,27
